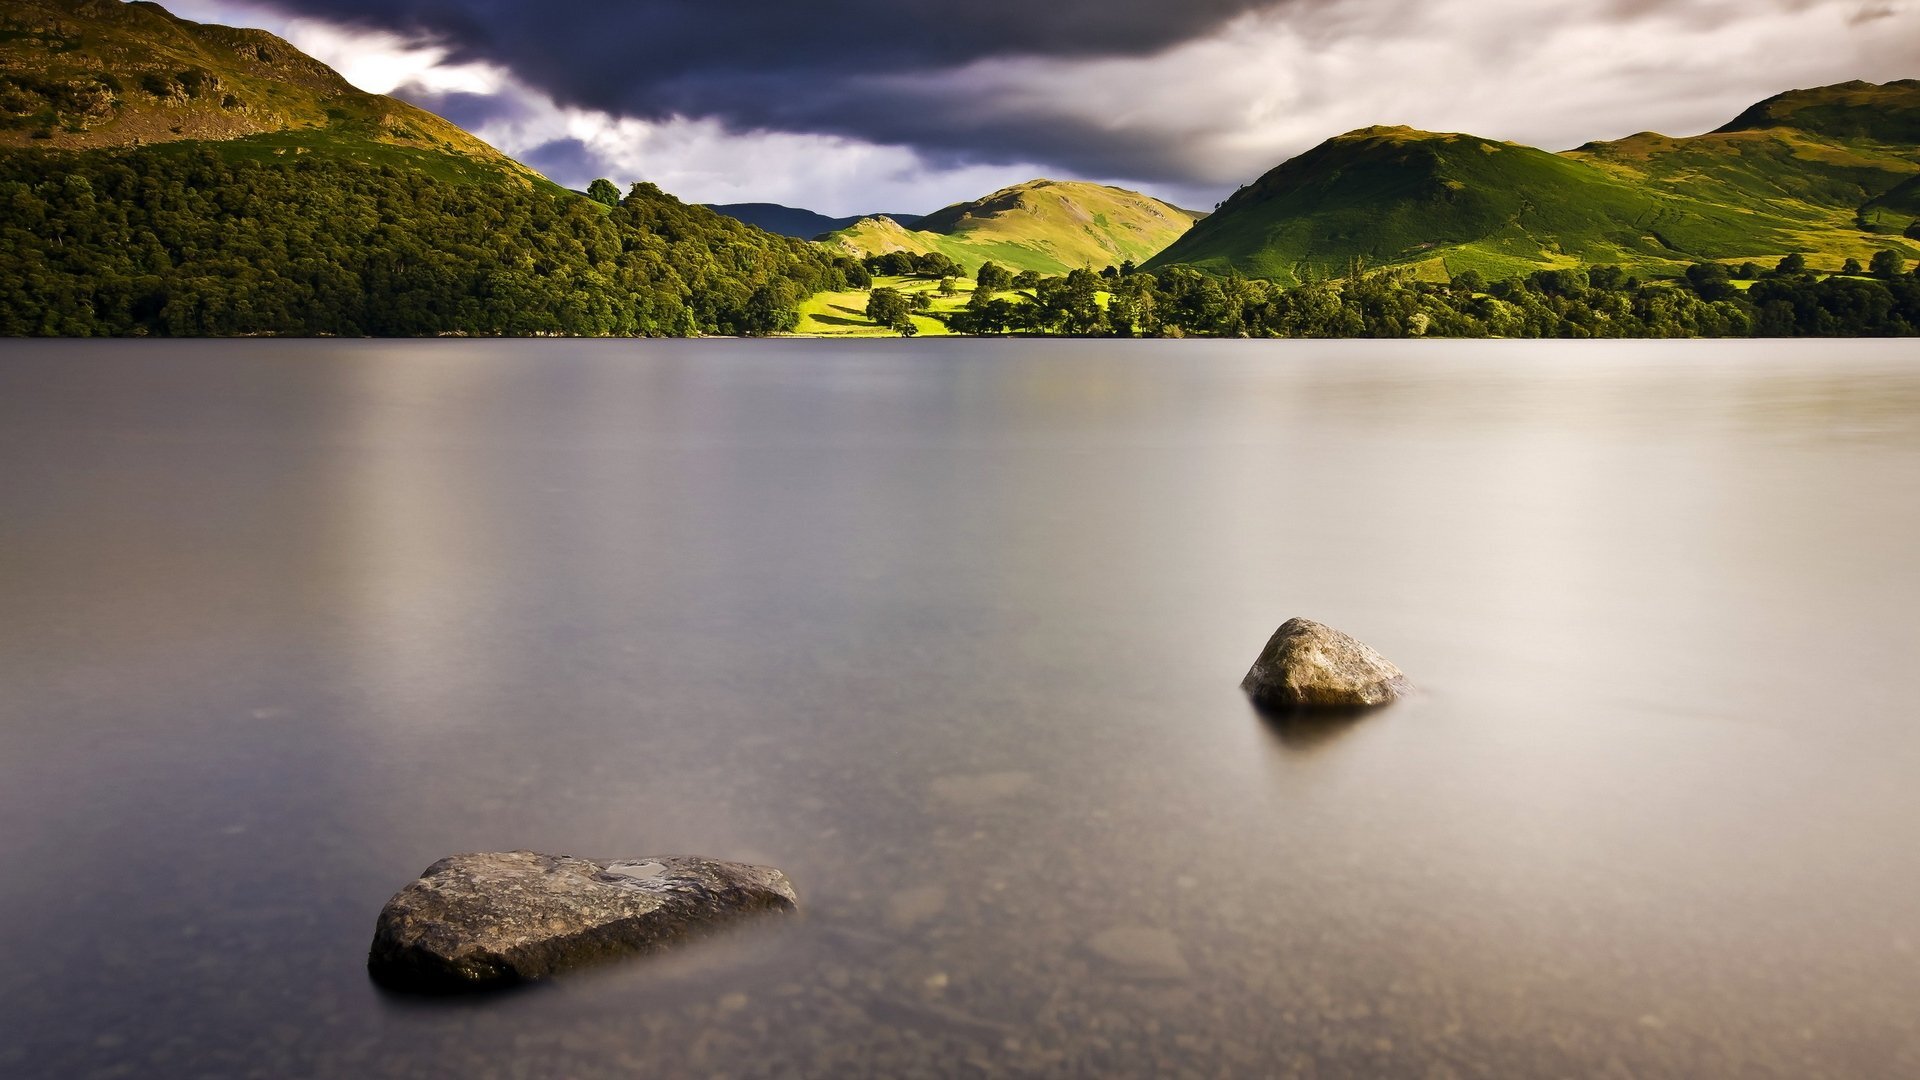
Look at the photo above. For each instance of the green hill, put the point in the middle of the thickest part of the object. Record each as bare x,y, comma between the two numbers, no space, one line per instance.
92,74
1050,226
1897,204
1814,171
164,177
1887,113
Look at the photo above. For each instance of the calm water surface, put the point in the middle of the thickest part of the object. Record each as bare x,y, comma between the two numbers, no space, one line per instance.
952,633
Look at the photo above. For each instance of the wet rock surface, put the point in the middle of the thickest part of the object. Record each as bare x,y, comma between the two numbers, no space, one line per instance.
1308,666
496,918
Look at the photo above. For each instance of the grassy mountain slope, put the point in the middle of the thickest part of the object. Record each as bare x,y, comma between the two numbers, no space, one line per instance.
1806,166
1888,113
1051,226
1815,171
1898,204
89,74
794,221
1396,195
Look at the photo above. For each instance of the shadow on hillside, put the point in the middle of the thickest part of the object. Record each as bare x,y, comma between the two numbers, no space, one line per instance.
835,320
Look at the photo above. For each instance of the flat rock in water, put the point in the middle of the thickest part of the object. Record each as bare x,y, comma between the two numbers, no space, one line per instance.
496,918
1309,666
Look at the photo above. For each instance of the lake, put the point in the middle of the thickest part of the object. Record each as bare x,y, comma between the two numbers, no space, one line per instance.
952,633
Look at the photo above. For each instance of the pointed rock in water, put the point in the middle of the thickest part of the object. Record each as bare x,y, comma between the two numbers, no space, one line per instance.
496,918
1309,666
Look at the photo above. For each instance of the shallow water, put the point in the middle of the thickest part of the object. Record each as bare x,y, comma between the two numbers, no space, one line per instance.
952,633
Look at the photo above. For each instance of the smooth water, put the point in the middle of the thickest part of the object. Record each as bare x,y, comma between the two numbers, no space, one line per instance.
952,633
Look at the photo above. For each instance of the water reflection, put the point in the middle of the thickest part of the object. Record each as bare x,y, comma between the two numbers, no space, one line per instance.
952,634
1308,732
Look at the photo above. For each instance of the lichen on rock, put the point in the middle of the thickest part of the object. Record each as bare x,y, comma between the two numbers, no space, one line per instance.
1308,666
497,918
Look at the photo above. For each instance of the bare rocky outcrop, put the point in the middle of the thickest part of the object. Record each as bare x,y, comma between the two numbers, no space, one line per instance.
497,918
1308,666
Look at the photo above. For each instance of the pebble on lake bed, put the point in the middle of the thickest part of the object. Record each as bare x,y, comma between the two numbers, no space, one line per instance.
1309,666
496,918
1139,952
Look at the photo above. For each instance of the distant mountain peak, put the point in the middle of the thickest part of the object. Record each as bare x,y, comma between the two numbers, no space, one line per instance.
797,222
1042,224
1885,112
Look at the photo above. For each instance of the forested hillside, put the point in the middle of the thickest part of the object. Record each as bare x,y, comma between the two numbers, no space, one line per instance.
172,177
188,240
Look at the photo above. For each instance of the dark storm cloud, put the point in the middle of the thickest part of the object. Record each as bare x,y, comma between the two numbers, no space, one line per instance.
564,157
470,111
750,60
845,106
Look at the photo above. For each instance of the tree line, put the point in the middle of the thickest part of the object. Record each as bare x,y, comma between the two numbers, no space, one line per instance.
1604,301
185,242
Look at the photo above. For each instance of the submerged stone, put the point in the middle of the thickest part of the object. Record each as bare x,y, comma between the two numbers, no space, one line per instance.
1139,952
1309,666
496,918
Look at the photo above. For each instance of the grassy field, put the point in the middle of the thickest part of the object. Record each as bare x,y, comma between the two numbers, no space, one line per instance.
844,314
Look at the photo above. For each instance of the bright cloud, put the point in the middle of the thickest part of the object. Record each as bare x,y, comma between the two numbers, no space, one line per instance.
380,62
1225,108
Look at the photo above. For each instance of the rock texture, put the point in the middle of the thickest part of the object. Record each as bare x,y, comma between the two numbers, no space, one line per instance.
1309,666
496,918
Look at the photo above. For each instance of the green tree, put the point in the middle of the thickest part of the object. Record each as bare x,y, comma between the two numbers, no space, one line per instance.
934,265
888,307
770,309
1711,281
602,191
984,314
992,278
1888,265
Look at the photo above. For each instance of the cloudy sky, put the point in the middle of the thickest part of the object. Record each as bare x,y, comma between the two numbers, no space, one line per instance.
852,106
